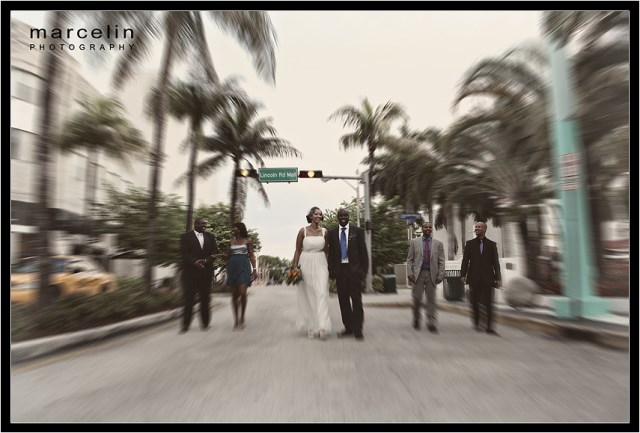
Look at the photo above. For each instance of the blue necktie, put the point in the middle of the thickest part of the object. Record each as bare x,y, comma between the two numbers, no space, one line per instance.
343,243
480,246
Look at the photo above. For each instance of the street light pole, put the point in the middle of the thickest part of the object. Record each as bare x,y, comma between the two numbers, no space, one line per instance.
367,228
358,204
357,190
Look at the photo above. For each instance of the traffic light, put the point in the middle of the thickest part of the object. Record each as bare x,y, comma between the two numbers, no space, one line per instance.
246,172
310,174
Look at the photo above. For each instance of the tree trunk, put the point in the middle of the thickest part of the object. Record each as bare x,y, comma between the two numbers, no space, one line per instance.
45,142
531,249
450,233
91,175
234,192
463,228
191,183
157,155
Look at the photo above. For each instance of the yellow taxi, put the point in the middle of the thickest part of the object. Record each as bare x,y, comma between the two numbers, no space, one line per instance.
68,274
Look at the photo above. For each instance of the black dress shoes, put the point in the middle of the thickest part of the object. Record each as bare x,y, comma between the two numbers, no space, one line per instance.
492,332
359,336
416,326
183,330
432,329
345,333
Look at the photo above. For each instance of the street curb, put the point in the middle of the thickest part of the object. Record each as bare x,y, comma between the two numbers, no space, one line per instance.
32,349
553,327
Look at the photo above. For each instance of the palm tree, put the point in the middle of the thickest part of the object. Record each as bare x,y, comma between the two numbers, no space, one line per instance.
371,126
242,135
197,100
507,173
184,34
417,160
50,84
56,20
100,128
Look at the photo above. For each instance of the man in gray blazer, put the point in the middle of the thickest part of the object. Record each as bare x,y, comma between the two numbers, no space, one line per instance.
425,269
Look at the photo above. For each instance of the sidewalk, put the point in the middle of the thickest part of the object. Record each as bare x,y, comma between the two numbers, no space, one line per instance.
610,331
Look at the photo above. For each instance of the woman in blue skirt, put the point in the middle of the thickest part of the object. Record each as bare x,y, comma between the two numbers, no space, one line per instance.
241,271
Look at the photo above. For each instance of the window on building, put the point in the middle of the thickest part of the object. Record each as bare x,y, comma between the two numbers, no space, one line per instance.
22,144
24,92
15,143
25,86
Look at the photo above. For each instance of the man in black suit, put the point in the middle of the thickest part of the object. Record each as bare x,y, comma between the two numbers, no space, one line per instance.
348,264
481,269
198,249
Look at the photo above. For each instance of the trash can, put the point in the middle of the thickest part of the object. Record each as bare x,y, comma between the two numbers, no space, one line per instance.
389,282
453,289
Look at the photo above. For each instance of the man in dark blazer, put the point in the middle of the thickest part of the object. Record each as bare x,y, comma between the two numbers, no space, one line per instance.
198,249
348,264
481,269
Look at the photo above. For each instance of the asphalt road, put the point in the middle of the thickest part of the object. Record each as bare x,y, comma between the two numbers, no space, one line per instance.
271,373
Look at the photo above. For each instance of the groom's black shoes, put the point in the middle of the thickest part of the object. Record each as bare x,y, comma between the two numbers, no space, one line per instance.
345,333
359,335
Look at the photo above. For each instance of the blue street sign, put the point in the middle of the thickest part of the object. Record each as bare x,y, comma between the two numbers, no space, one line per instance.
410,215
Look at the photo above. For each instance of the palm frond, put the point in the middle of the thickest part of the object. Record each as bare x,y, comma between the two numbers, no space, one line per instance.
255,32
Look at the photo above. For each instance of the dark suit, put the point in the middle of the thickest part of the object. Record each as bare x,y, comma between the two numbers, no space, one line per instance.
194,279
482,272
349,276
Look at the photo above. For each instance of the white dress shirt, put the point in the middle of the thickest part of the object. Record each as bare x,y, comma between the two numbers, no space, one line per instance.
200,237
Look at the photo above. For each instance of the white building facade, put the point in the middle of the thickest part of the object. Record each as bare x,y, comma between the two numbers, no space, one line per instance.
67,190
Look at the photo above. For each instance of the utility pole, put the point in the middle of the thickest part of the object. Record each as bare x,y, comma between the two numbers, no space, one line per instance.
579,272
368,229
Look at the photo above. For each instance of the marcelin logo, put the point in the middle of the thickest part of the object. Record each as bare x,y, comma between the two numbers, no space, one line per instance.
91,39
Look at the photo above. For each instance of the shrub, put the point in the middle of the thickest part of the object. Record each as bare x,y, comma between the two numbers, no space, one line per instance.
81,311
378,284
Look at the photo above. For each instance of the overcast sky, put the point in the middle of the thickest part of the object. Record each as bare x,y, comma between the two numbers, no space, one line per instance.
327,59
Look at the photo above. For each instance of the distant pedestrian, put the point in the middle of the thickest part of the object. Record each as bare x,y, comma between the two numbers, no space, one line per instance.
241,271
198,249
313,290
425,266
349,264
481,269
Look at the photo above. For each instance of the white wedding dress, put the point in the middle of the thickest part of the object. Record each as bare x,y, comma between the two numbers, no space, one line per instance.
313,290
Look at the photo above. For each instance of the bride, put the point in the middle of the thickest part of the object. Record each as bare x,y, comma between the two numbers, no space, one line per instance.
313,290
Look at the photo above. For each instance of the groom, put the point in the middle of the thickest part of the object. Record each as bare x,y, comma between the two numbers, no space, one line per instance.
348,264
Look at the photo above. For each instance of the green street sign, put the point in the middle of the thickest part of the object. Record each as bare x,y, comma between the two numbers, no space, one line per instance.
267,175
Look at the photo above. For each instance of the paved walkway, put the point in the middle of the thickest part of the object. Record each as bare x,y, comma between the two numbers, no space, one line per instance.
611,330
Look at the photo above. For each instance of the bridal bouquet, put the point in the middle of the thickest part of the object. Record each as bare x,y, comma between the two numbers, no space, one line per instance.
294,276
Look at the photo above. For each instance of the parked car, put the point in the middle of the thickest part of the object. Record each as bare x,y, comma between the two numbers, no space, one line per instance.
68,274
